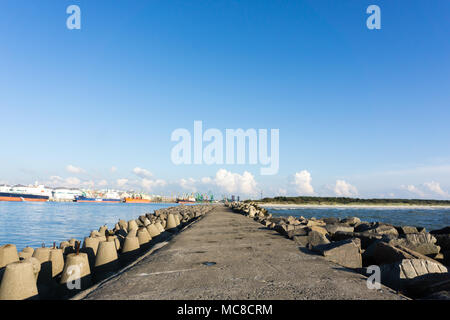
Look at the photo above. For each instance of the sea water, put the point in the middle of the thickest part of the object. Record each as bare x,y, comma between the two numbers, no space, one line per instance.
36,223
429,217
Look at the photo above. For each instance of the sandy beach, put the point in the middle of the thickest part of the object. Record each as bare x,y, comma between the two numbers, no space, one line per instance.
400,206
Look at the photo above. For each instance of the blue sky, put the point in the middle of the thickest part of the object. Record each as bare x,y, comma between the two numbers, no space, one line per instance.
360,112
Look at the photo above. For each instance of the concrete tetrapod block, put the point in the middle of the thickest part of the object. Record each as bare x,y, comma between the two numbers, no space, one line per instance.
132,232
91,243
146,222
26,252
8,254
121,232
18,282
101,238
95,233
42,254
139,223
102,230
76,275
177,219
123,224
153,231
132,224
90,247
116,241
130,250
159,226
44,281
171,223
36,266
144,238
72,242
57,260
106,261
67,248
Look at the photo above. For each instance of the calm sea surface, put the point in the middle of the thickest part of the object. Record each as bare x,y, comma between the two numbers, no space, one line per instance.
33,223
431,218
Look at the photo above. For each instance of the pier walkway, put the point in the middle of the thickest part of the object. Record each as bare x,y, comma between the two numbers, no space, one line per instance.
251,262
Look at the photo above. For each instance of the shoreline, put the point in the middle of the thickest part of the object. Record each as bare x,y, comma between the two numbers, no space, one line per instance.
362,206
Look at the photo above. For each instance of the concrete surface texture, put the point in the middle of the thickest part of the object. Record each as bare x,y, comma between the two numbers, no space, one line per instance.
247,261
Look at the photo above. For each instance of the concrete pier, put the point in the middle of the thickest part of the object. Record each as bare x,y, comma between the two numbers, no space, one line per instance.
226,255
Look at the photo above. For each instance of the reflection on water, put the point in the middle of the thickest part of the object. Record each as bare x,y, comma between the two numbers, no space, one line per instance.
431,218
33,223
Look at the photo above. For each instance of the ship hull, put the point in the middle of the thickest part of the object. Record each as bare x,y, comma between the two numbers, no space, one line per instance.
16,197
96,200
132,200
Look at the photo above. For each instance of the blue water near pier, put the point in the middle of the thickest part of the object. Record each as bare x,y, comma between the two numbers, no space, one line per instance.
33,223
431,218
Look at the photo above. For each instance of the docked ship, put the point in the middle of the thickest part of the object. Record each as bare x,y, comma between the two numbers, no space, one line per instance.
98,200
136,198
101,198
20,193
186,200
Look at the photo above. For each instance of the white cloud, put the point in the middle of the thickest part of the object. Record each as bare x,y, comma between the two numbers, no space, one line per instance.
206,180
344,189
302,182
143,173
72,169
113,169
72,182
188,184
234,182
435,187
150,184
282,191
55,179
121,182
102,183
225,181
88,184
413,189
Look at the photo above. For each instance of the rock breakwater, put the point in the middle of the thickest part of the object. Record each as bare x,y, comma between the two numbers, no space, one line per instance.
409,259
